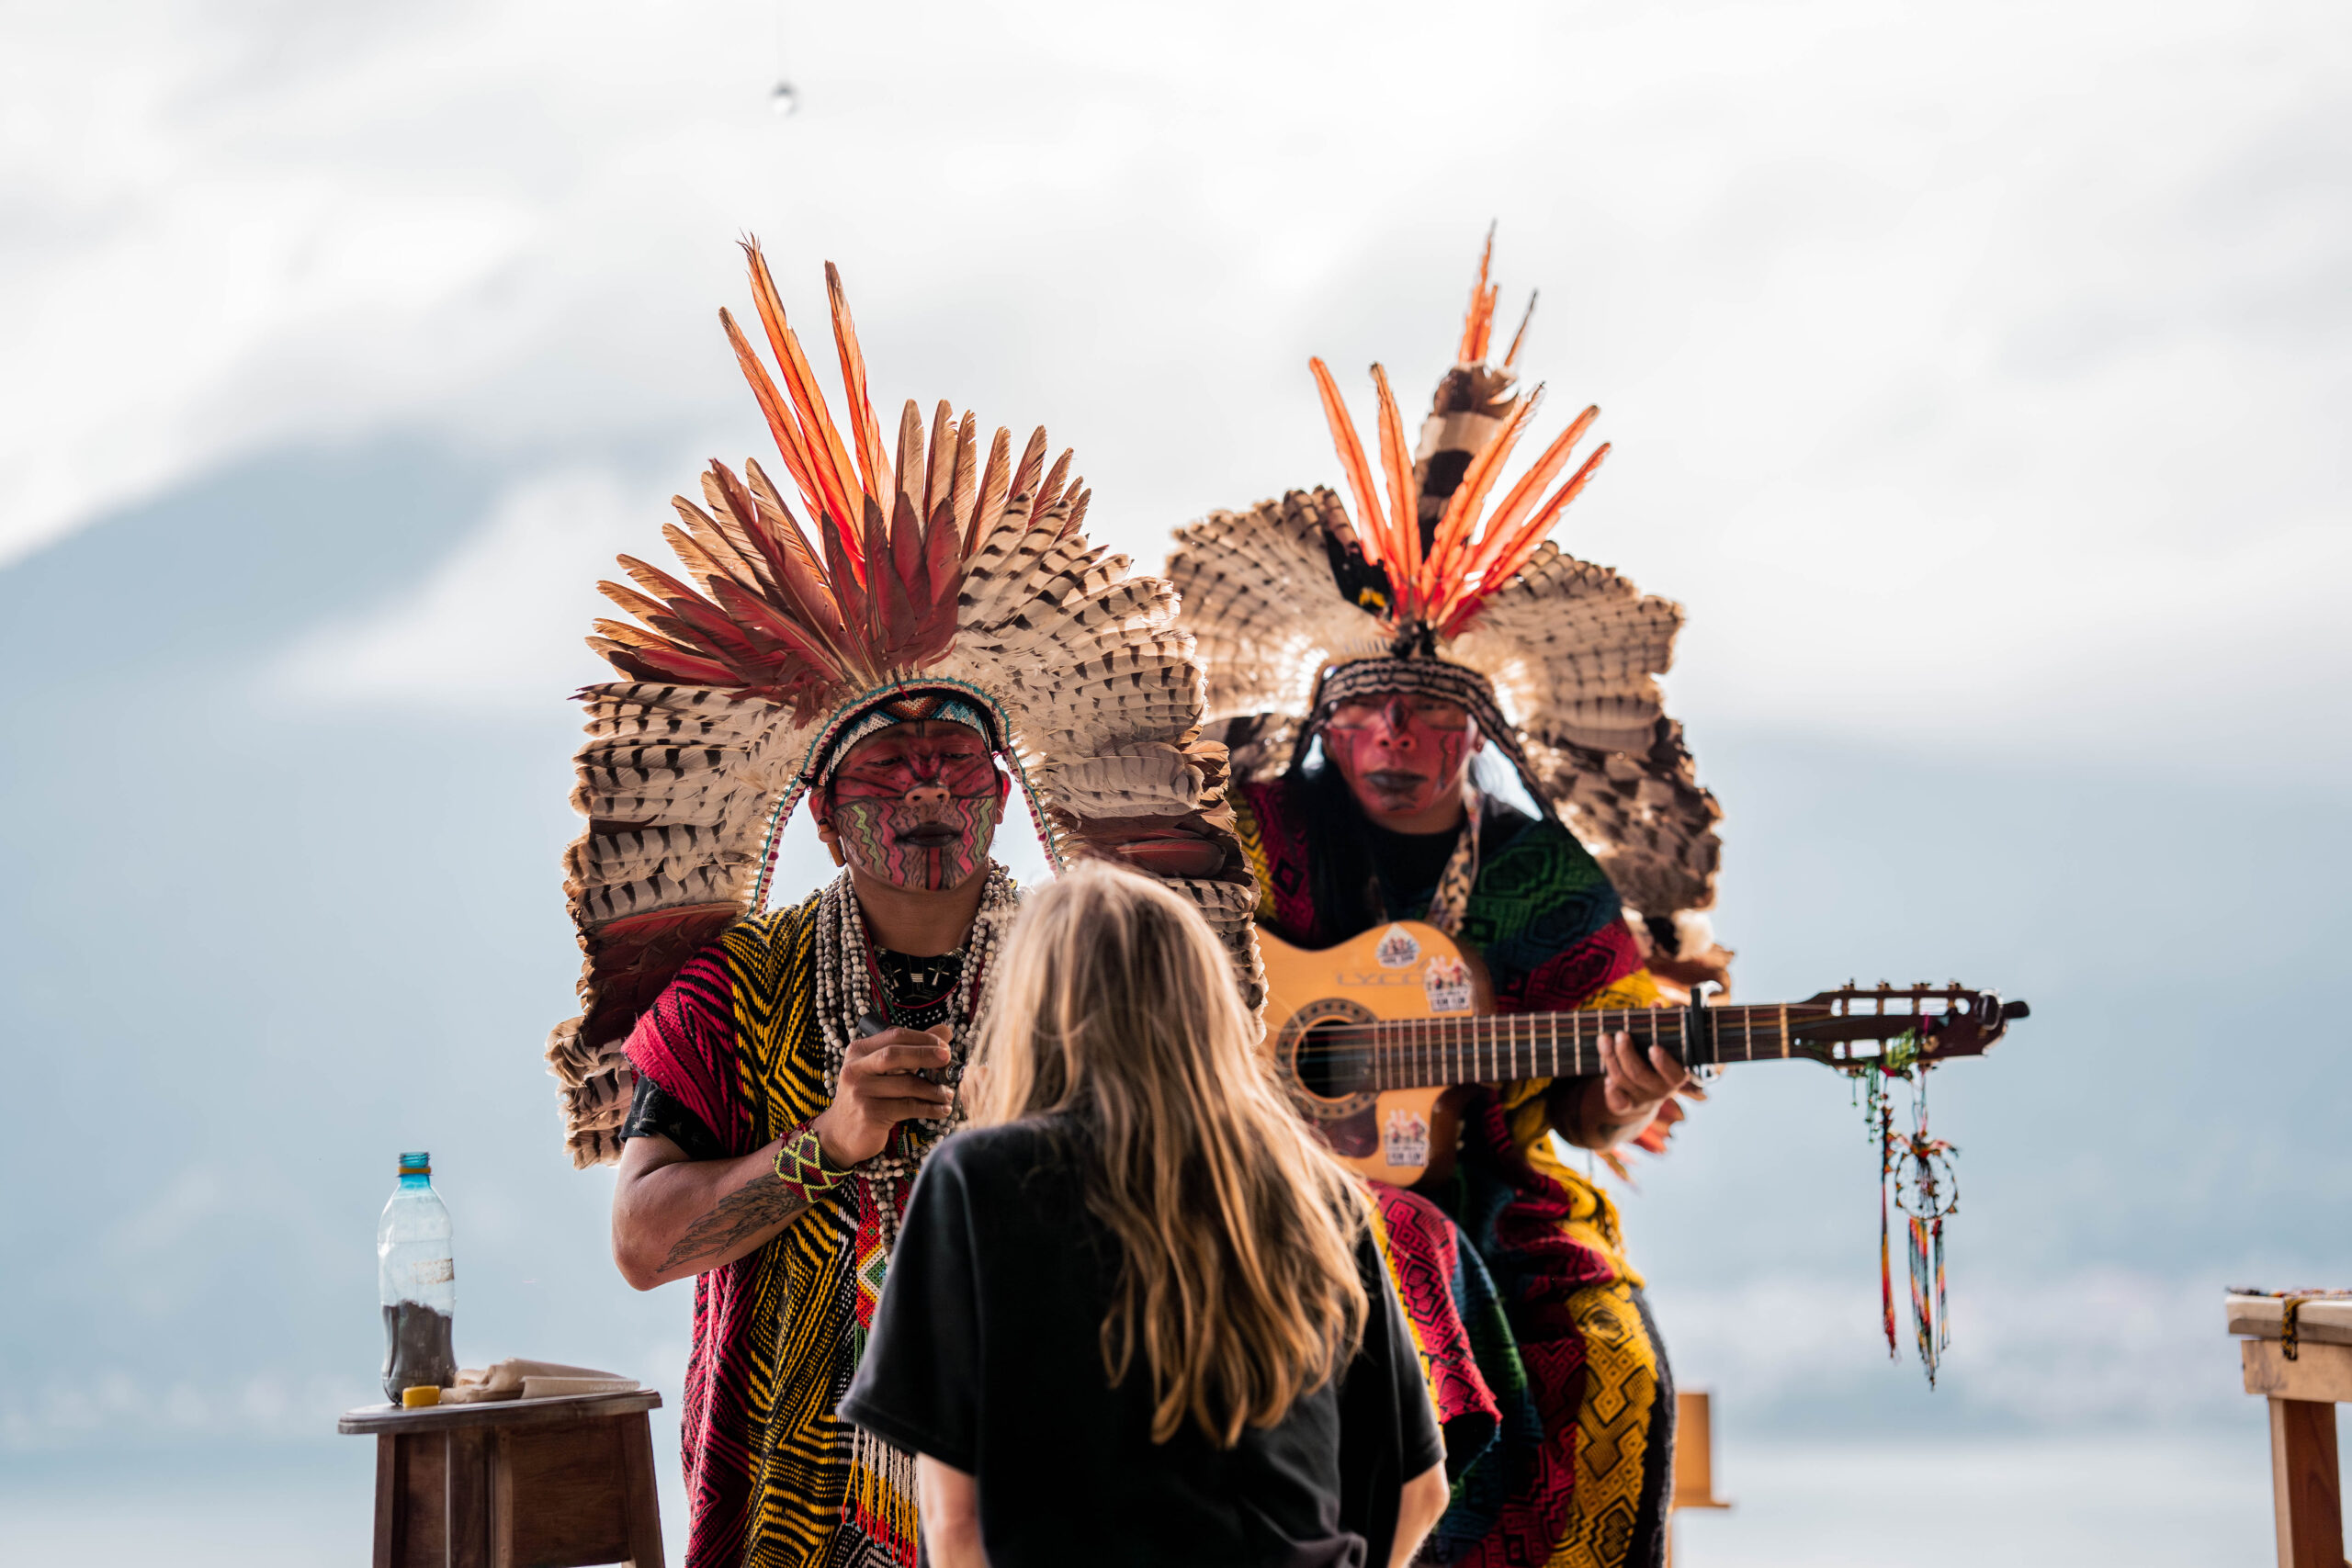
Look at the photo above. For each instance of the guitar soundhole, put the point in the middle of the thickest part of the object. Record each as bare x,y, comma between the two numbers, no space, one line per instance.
1334,1059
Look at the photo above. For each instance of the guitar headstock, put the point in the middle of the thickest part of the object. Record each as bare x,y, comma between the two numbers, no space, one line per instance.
1854,1025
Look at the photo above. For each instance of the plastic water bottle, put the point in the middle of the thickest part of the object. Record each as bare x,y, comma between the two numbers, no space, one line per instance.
418,1281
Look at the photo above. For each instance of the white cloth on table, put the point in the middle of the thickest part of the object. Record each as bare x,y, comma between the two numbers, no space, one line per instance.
516,1378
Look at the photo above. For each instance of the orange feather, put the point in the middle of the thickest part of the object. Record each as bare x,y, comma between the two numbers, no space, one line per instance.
1449,546
629,599
868,433
1372,535
695,558
781,423
800,580
622,632
782,533
1505,521
680,606
1520,336
664,665
1404,495
1514,554
1530,489
829,461
755,614
1477,321
706,534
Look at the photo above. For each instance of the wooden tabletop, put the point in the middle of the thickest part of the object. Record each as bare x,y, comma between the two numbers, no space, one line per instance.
2320,1322
385,1419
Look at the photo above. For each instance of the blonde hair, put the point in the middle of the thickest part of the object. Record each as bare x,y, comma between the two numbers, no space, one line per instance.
1115,1005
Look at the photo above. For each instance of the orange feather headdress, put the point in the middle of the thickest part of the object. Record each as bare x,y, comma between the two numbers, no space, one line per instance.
875,593
1441,564
1295,602
909,570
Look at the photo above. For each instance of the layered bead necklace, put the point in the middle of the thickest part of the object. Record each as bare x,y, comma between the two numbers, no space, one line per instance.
846,975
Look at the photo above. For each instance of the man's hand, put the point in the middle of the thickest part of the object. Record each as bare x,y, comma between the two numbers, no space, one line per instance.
1626,1098
879,1089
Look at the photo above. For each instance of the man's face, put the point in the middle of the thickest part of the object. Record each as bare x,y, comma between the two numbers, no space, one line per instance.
914,805
1405,757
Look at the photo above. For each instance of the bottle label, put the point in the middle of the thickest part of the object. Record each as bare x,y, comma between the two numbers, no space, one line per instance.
433,1271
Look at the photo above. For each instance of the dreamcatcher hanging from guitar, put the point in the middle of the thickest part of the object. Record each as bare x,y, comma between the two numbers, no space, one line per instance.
1916,1178
1371,1035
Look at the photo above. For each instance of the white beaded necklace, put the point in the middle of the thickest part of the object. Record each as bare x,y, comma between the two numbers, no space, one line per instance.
845,993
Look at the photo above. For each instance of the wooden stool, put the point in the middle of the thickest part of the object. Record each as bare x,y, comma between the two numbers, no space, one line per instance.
515,1484
2303,1394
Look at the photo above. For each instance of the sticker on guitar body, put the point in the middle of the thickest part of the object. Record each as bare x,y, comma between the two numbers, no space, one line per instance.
1447,982
1398,949
1404,1139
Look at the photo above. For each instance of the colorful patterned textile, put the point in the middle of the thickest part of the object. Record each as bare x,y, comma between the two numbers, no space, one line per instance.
777,1334
1432,1281
1517,1258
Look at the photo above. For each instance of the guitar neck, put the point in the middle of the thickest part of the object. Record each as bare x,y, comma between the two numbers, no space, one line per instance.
1416,1052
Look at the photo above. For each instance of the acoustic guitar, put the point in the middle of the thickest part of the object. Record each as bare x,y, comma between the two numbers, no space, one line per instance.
1372,1034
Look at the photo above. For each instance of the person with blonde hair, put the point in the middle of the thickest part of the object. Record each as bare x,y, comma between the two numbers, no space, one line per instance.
1137,1314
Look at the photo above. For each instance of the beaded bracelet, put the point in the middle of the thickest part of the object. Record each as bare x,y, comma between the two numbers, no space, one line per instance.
801,1161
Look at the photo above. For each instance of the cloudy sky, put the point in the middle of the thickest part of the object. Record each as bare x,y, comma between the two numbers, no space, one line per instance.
1976,376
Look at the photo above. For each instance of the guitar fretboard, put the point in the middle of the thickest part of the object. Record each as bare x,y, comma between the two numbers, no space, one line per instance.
1415,1053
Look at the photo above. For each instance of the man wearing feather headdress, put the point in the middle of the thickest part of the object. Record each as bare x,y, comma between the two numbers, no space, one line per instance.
1362,674
769,1079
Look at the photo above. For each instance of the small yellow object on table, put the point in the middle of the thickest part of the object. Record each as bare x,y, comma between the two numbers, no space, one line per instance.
561,1478
2299,1356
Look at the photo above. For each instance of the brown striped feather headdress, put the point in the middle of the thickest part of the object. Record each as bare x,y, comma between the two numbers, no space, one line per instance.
920,570
1295,605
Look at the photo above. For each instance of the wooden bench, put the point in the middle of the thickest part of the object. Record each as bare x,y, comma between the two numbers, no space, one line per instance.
2303,1391
515,1484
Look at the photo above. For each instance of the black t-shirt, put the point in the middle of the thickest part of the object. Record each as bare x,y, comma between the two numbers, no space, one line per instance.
986,1355
1410,864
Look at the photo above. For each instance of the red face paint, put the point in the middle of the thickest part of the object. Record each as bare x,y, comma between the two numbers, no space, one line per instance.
1405,757
915,806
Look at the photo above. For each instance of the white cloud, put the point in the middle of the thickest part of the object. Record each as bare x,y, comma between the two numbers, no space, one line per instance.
499,621
1958,387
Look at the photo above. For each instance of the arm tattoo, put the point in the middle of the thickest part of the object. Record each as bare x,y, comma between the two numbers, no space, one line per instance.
801,1176
761,1203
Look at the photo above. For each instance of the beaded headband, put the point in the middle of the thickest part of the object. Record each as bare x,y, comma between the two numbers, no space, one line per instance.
905,707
